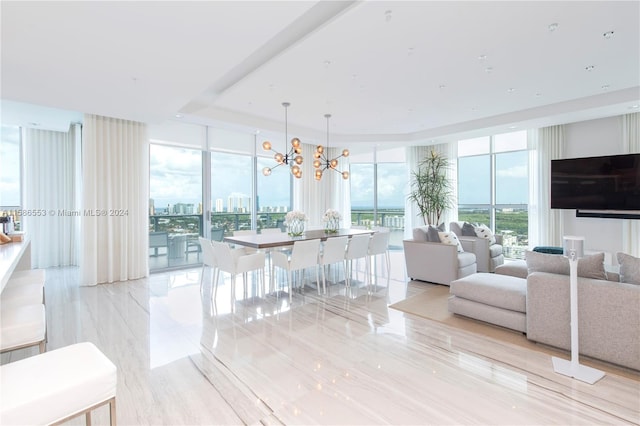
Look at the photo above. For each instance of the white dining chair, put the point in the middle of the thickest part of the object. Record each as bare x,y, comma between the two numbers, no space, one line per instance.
358,248
379,245
304,254
208,260
333,251
237,261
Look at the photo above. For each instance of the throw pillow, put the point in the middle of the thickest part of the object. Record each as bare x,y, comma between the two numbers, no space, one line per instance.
483,231
588,267
432,234
629,268
452,239
421,234
468,230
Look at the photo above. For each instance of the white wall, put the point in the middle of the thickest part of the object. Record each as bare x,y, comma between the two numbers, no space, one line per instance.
588,139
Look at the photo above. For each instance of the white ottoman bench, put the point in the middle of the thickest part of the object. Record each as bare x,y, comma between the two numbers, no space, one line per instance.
55,386
22,327
493,298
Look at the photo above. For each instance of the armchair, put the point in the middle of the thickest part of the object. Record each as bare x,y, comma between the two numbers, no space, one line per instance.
436,262
488,256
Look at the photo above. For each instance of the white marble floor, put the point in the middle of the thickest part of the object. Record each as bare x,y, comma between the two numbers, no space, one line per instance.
344,358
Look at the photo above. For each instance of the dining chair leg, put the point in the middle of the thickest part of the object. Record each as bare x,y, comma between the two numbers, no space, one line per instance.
202,277
290,283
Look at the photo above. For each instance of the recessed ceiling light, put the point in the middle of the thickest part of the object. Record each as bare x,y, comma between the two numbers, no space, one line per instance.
552,27
482,57
634,107
179,115
608,34
605,87
33,123
327,62
410,51
590,67
388,15
488,70
511,90
538,95
513,127
442,86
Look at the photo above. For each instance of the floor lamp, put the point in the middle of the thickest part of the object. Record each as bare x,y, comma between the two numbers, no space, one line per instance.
574,250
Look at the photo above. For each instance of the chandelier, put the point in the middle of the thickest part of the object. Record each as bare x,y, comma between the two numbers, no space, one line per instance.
292,158
322,162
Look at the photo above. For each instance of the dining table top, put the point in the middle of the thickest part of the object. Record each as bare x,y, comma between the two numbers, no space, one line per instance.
272,240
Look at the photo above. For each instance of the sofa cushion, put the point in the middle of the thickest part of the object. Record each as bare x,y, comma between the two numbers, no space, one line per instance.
420,234
483,231
591,266
629,268
466,259
501,291
468,230
452,239
427,233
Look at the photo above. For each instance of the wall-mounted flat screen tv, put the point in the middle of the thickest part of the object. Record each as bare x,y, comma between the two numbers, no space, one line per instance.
596,183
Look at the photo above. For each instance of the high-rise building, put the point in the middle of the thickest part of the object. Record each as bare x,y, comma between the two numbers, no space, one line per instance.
219,205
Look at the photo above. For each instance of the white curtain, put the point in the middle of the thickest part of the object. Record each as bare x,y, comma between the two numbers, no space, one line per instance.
415,154
545,225
631,145
115,160
314,197
51,189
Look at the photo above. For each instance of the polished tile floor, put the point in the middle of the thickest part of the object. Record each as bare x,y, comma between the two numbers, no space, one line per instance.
344,358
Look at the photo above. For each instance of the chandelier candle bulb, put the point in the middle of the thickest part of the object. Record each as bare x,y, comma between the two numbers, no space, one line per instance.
323,163
291,158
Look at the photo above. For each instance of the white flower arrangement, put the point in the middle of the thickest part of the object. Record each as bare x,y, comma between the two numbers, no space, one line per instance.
295,215
331,214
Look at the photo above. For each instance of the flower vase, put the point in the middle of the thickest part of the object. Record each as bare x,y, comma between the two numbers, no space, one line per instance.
295,228
332,225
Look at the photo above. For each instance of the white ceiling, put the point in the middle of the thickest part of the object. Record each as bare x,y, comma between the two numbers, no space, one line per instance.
386,71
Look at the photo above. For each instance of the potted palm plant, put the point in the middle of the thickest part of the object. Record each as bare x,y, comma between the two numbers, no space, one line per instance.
431,189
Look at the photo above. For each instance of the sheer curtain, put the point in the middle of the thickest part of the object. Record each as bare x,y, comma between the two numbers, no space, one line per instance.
115,160
52,188
415,154
631,144
331,192
545,225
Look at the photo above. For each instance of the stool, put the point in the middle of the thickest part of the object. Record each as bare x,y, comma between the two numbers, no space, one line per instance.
29,276
58,385
494,298
22,295
22,327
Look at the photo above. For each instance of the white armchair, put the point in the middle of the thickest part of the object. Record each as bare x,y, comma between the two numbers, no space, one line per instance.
488,256
434,261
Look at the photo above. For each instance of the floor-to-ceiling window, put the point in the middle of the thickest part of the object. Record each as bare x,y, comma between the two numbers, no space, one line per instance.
493,187
231,192
175,207
273,194
378,181
10,172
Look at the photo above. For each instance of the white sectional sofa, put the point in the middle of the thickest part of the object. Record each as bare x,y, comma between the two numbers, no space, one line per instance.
608,310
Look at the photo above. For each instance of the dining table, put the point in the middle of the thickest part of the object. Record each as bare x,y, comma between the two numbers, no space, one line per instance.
282,240
279,240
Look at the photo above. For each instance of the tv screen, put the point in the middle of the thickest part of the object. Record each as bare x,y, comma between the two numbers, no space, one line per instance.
596,183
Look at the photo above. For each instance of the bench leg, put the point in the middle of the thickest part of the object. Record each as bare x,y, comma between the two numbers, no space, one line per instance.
88,418
42,346
112,411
